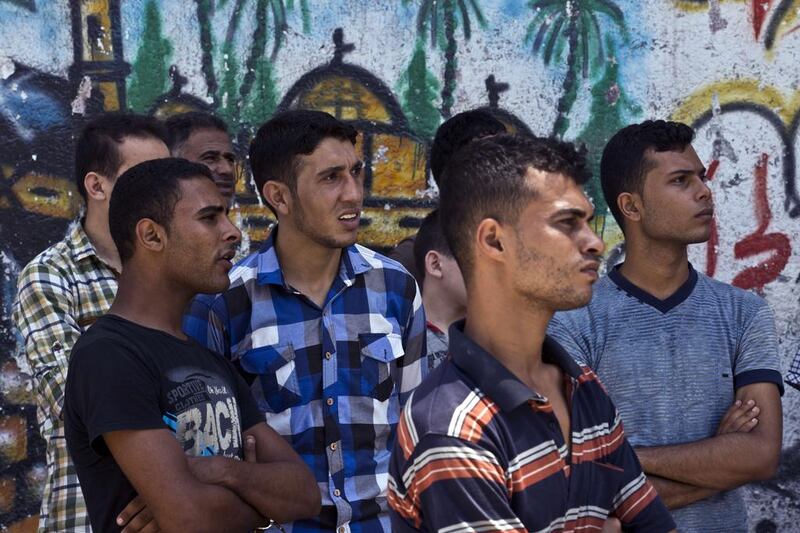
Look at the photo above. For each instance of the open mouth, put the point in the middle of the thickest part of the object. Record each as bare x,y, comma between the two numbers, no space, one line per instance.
350,220
228,256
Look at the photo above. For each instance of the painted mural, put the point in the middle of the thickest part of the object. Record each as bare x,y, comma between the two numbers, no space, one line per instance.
395,69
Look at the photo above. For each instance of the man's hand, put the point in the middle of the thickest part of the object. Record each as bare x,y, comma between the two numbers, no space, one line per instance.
612,525
741,417
136,517
250,449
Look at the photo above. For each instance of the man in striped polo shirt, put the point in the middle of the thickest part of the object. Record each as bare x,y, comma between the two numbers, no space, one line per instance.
511,434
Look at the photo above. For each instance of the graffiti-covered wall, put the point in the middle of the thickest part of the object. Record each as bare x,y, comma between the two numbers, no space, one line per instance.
580,69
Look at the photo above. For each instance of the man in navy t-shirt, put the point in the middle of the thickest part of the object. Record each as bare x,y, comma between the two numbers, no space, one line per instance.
691,363
149,411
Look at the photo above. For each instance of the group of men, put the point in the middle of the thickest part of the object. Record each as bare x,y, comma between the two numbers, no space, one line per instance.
314,385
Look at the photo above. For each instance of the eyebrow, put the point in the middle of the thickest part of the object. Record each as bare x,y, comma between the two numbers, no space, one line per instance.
340,168
217,152
701,172
210,210
574,211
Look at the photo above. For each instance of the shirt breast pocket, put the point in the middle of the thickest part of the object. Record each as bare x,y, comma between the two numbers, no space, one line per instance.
277,374
379,354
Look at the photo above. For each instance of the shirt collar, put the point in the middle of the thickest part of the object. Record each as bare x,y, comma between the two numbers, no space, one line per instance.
80,245
496,380
664,306
351,265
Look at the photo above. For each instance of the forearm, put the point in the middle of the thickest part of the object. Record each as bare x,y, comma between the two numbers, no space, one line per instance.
50,385
676,495
212,508
723,462
283,491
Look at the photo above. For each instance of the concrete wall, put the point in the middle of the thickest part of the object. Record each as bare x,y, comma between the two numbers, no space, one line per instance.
726,67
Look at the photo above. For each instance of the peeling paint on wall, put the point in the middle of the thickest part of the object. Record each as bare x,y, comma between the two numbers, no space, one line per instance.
580,69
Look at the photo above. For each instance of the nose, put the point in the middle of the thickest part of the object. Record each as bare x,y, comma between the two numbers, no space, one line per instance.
704,192
231,233
593,244
223,167
353,190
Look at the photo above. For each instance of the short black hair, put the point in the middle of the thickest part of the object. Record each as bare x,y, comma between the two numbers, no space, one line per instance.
148,190
180,127
429,237
97,149
624,164
487,180
458,131
278,142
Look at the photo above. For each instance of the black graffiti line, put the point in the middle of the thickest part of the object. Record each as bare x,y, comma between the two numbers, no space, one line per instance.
792,201
778,15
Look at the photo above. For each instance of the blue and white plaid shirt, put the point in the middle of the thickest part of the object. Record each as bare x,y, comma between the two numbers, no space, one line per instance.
331,380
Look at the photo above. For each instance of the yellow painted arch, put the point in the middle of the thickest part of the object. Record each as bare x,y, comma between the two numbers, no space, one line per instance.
733,91
685,5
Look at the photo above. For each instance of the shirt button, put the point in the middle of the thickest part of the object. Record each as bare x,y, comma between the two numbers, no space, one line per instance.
333,447
340,529
329,401
327,355
337,493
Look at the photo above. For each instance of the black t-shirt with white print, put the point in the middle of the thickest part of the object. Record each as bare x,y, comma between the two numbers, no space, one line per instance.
123,376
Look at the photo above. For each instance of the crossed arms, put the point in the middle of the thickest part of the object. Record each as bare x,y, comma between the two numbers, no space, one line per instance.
181,493
743,450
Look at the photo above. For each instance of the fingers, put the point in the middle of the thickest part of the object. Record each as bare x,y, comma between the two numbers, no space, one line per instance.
250,449
142,522
130,511
740,417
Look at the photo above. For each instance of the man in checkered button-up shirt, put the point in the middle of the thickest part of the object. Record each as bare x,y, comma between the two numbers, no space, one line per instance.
64,289
331,334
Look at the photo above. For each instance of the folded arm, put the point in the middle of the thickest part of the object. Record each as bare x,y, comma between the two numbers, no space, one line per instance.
154,463
279,485
728,460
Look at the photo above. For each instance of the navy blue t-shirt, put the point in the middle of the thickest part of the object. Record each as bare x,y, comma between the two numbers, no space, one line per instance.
123,376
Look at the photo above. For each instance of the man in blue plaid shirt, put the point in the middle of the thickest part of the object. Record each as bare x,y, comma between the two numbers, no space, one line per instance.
330,334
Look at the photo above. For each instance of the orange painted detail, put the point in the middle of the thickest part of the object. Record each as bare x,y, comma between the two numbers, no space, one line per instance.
47,195
346,99
398,167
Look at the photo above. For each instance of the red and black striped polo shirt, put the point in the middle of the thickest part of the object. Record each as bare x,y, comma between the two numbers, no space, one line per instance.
478,450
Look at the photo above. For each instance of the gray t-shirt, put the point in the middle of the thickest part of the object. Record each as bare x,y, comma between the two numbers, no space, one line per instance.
672,366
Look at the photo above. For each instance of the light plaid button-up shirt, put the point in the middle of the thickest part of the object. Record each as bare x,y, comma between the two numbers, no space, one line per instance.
331,379
61,292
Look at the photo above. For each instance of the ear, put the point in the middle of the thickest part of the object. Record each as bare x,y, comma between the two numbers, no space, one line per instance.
278,196
433,264
97,186
150,235
629,205
489,240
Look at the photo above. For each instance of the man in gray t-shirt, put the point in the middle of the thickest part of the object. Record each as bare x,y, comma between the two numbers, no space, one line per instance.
691,363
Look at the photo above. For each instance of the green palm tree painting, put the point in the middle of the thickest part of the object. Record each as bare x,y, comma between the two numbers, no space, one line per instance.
251,95
571,27
439,19
150,72
419,90
610,111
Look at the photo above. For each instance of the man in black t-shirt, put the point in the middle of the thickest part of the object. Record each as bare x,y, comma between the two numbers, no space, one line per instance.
150,412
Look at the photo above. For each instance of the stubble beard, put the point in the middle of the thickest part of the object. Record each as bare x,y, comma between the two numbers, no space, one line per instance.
557,293
300,222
